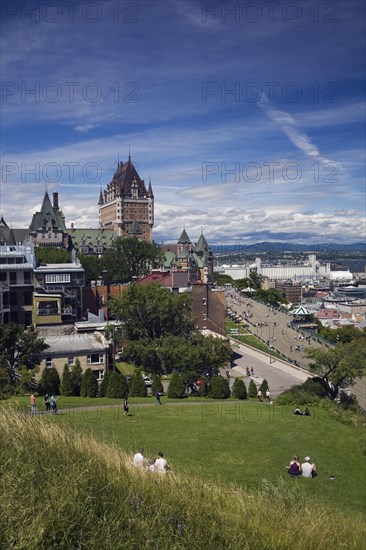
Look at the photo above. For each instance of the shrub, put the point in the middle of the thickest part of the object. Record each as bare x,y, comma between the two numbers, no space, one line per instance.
76,377
219,388
49,382
264,387
156,385
89,384
239,389
103,385
252,389
66,384
176,388
204,388
138,386
117,385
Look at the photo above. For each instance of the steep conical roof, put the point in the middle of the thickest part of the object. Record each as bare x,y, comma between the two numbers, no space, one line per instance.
47,213
123,177
184,239
135,228
150,191
202,245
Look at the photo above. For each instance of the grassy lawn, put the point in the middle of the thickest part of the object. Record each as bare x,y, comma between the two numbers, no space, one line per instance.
245,337
239,443
22,401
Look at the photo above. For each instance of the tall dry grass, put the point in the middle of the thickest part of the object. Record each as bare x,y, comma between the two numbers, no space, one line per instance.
61,490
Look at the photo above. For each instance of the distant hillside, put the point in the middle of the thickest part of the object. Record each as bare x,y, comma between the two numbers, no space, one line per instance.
290,247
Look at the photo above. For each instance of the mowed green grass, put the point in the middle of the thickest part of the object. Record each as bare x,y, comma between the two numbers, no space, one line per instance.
239,443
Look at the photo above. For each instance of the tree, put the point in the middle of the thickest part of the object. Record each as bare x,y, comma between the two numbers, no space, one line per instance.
239,389
176,388
252,389
117,386
338,367
49,382
219,388
19,348
104,384
52,255
342,335
156,385
128,258
27,381
150,312
138,386
66,383
76,378
89,384
92,266
264,387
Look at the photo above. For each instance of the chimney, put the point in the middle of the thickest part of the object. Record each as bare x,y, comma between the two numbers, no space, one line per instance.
55,201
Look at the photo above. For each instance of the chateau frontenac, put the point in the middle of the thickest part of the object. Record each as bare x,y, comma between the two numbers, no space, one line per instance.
126,206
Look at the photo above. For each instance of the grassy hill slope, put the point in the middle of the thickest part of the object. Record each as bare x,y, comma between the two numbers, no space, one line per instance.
63,489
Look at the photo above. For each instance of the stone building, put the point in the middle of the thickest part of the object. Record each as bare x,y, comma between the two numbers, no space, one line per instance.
47,228
126,206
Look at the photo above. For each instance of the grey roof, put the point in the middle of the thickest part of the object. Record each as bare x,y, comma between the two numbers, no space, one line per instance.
68,344
135,228
47,213
184,239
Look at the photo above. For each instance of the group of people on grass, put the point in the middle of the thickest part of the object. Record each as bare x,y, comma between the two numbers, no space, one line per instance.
306,469
50,404
159,465
299,412
268,395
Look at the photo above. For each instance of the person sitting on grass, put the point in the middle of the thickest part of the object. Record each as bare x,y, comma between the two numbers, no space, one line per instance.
298,411
294,468
161,465
308,469
139,460
307,412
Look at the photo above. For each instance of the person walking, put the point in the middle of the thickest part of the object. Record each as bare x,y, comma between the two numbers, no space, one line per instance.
259,395
47,403
268,394
157,398
125,406
33,403
53,404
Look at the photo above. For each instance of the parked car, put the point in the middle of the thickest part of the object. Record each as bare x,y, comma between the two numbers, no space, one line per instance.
148,381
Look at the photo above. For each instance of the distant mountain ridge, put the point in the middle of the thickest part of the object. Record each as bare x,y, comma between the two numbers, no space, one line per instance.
290,247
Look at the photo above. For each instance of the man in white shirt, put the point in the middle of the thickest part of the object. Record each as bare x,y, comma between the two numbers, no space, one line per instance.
161,465
308,469
138,460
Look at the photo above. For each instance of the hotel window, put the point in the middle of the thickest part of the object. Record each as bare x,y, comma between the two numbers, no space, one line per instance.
48,362
58,278
13,278
70,361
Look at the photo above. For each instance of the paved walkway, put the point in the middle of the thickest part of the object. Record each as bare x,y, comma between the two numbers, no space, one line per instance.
281,336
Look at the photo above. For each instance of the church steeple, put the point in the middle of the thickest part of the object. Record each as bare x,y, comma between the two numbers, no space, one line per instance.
100,198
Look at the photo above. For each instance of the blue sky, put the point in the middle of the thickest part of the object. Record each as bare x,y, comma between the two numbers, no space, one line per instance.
248,116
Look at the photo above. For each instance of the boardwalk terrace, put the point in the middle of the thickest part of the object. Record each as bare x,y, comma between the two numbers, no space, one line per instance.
126,206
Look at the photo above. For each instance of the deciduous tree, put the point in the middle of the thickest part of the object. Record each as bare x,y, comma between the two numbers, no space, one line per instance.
20,348
338,367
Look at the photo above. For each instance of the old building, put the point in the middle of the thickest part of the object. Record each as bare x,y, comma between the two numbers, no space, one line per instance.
126,206
58,293
16,283
47,228
91,241
195,259
91,349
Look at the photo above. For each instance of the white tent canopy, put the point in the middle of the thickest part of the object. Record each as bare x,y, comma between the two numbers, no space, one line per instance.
301,310
248,289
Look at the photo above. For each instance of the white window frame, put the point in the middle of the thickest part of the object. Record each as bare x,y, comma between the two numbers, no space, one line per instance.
101,359
51,278
48,362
